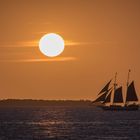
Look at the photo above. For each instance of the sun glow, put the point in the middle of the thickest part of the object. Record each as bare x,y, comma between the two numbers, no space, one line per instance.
51,45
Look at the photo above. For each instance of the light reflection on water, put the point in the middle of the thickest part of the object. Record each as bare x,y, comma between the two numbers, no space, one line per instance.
68,123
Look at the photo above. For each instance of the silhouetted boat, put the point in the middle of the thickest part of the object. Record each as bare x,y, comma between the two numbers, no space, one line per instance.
113,98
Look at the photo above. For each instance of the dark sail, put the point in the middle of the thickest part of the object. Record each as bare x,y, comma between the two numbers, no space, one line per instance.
131,93
108,98
105,88
101,98
118,98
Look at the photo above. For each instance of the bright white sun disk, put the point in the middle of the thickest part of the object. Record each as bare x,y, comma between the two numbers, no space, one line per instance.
51,45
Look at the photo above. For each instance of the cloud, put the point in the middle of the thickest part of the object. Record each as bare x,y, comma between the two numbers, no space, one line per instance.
67,43
35,43
57,59
74,43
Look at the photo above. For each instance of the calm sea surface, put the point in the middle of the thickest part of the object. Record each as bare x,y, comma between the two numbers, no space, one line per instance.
68,123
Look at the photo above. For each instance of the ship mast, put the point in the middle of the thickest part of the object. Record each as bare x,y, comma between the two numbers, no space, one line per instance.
128,77
115,86
127,84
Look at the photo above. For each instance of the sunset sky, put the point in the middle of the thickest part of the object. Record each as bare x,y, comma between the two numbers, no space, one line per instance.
101,36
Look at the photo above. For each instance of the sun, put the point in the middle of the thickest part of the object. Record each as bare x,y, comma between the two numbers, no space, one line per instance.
51,45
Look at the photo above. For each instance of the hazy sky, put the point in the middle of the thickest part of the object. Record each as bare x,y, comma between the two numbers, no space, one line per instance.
102,37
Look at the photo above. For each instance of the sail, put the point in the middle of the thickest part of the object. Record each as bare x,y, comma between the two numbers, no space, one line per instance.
105,88
118,98
101,98
131,93
108,98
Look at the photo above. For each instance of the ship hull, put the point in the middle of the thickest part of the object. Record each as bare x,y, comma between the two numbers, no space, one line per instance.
120,108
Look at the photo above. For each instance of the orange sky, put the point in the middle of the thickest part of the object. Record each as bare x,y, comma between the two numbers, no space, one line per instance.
102,37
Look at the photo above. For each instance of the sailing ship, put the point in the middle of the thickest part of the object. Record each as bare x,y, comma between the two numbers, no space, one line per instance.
112,98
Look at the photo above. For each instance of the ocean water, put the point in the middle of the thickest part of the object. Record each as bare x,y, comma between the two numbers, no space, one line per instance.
68,123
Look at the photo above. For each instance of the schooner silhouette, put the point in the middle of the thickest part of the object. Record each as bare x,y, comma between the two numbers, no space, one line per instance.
112,98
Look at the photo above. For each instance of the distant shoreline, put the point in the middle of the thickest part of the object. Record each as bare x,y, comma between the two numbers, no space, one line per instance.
38,103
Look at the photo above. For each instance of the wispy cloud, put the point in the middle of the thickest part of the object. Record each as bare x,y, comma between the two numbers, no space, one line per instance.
74,43
67,43
35,43
57,59
40,23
